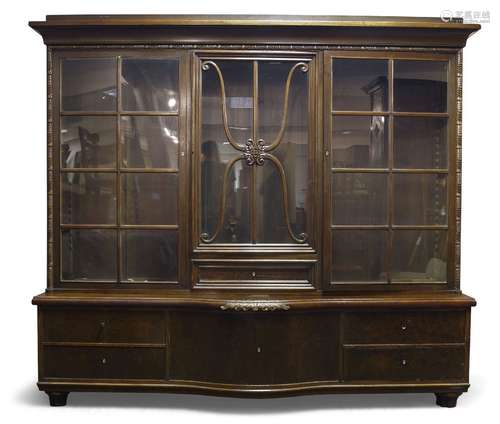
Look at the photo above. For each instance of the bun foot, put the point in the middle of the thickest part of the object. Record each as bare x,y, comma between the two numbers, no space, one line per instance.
57,398
447,400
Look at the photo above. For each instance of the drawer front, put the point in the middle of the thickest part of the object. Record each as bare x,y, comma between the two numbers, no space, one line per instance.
253,275
297,347
404,364
104,363
405,327
256,349
103,325
214,347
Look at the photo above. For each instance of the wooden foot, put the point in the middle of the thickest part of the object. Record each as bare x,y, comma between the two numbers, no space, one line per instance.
58,398
447,400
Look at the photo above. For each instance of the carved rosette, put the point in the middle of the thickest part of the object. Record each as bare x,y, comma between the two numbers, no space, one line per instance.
254,152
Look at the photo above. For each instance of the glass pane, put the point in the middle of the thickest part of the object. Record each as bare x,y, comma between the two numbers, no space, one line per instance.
149,255
88,142
360,141
419,255
149,199
149,141
217,153
420,199
359,255
88,84
359,199
420,142
360,84
292,153
420,85
150,84
88,198
236,224
88,255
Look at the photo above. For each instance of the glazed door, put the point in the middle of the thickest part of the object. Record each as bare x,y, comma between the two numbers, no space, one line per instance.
254,152
390,138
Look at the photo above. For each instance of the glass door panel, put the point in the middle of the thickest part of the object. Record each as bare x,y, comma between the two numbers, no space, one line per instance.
389,205
254,146
119,169
224,181
283,120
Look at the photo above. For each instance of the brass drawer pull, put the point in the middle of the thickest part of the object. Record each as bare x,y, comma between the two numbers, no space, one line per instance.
104,361
252,306
404,363
404,326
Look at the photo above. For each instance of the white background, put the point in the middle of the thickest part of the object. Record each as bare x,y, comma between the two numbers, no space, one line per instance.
23,229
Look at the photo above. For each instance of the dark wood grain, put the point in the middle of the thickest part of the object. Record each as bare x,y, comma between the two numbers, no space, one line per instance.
103,325
404,363
405,327
76,362
256,319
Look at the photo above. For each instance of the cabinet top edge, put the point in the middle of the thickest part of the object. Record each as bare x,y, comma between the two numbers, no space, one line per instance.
179,30
176,298
253,20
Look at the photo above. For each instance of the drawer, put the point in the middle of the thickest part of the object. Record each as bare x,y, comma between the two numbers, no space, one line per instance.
404,364
255,349
102,325
405,327
103,363
275,275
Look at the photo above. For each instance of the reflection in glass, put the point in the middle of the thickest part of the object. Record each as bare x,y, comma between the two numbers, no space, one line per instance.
292,152
359,199
359,255
88,198
420,85
149,255
88,255
88,84
217,154
419,255
88,142
150,84
420,199
360,141
149,199
420,142
236,221
360,84
149,141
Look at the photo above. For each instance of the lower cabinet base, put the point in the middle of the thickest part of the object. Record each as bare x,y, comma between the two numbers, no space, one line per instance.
255,348
446,394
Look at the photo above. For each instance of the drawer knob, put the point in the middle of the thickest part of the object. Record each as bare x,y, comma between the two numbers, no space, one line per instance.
404,327
254,274
102,324
404,363
104,361
259,349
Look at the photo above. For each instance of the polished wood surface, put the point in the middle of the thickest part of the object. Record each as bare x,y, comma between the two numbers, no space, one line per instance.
151,29
215,299
141,296
255,352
